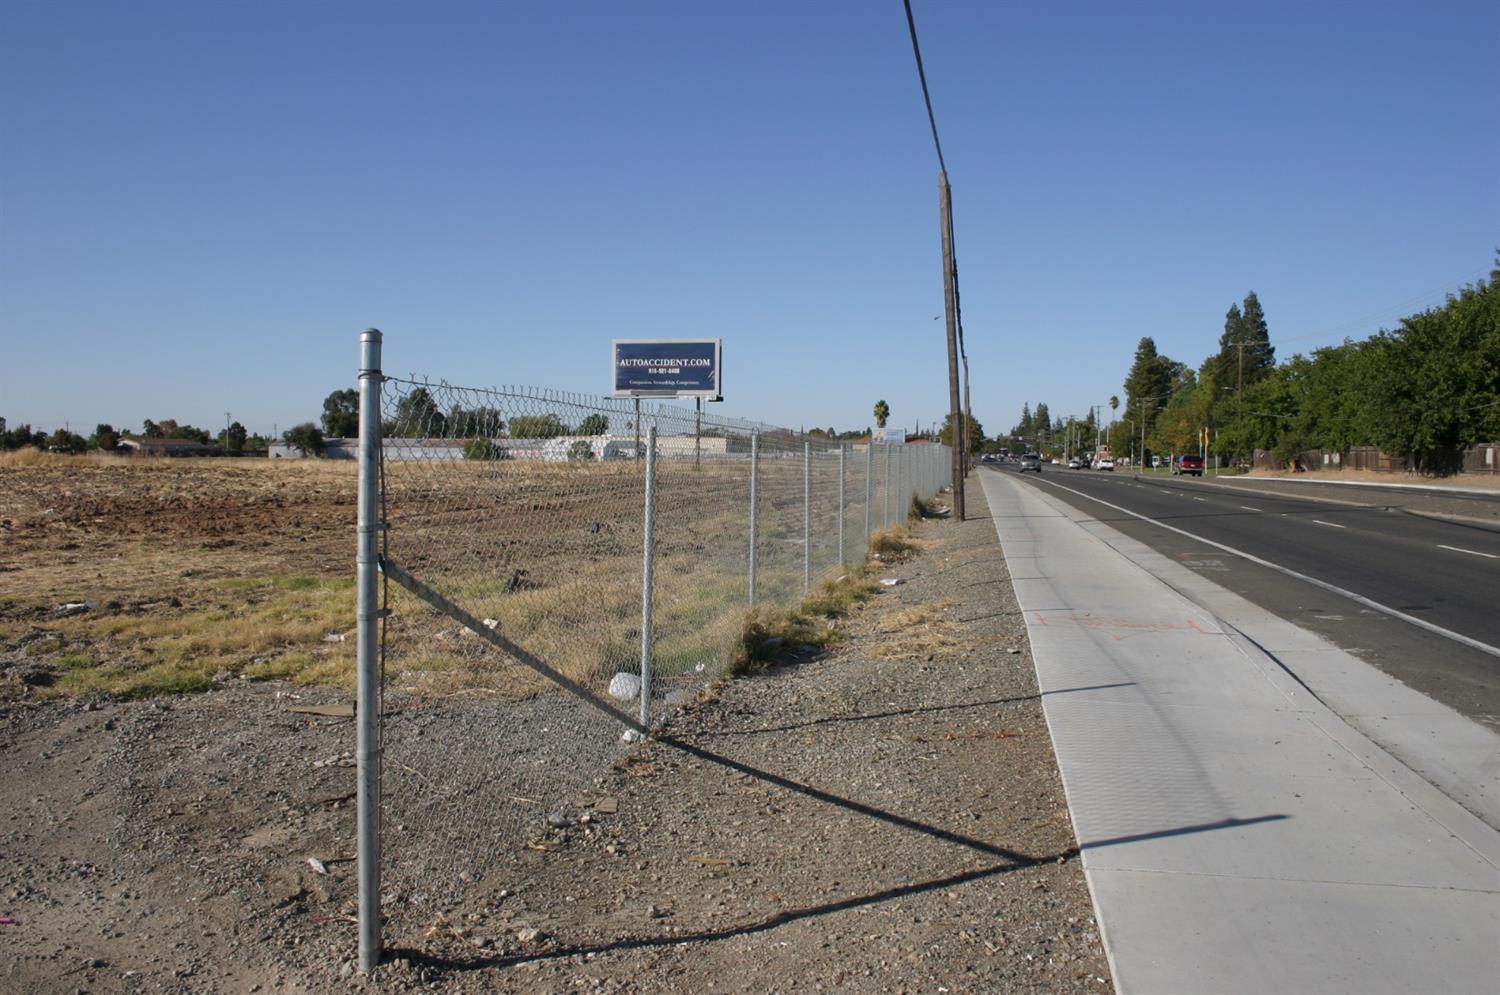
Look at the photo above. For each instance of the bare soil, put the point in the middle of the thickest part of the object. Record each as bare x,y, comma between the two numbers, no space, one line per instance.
887,817
153,546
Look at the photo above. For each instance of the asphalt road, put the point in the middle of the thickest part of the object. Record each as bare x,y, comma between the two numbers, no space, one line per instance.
1443,572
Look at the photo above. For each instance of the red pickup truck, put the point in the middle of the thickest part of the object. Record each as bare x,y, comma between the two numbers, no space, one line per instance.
1188,464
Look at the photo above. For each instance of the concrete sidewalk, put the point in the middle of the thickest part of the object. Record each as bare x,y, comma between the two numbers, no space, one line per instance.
1238,836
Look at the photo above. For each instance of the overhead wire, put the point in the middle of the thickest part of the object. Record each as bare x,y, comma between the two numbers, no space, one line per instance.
1357,324
916,51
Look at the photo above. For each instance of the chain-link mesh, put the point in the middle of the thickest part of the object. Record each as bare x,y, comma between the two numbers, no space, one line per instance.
525,510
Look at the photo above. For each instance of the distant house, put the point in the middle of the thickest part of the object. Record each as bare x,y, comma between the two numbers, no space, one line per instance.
142,446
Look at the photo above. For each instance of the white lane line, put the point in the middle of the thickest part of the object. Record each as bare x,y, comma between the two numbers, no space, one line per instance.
1471,552
1248,508
1200,499
1420,623
1331,525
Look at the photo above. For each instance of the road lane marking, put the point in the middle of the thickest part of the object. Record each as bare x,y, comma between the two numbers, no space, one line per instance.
1471,552
1200,499
1248,508
1331,525
1420,623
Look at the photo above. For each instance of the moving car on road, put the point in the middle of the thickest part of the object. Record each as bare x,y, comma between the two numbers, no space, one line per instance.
1031,461
1192,465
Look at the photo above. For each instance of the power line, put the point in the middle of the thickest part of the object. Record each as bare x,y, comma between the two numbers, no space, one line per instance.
916,50
1357,324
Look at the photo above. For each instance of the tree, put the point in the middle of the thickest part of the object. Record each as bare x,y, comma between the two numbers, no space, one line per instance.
22,436
1023,429
1433,384
594,424
882,412
547,426
233,438
417,417
105,437
1260,356
341,414
63,441
1148,385
150,429
305,438
974,437
482,447
580,452
470,423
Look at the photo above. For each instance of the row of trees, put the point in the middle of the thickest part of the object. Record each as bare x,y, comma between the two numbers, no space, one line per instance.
234,439
1424,391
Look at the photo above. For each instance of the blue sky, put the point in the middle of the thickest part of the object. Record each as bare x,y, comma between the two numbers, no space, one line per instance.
201,204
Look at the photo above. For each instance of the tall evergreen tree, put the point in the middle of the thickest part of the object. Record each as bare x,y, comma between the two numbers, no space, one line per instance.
1224,363
1260,355
1147,386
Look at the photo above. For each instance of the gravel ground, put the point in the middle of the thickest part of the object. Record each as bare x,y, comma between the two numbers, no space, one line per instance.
885,818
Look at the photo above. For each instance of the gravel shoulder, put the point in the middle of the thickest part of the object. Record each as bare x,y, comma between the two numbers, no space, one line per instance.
885,818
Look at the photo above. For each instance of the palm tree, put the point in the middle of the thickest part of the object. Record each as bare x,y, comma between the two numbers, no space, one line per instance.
1114,402
882,412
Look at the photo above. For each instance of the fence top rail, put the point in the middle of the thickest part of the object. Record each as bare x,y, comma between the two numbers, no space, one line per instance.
435,412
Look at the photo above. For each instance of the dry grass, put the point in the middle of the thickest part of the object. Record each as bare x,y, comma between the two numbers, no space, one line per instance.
274,627
205,570
916,615
893,545
920,632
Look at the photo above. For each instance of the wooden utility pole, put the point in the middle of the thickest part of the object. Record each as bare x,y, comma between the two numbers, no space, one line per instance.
1239,395
959,423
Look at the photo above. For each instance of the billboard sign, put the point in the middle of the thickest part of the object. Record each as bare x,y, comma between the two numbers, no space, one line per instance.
668,368
896,436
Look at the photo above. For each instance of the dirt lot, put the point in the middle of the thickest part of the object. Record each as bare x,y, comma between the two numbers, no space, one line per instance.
887,817
182,571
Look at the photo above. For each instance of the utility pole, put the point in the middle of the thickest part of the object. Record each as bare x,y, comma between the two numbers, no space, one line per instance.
1239,394
960,428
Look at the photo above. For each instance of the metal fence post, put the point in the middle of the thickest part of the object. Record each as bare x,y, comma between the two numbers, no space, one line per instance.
648,572
841,504
869,488
885,521
754,479
367,617
806,516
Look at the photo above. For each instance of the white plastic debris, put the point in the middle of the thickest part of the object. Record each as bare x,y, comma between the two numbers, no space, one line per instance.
624,687
334,637
891,581
75,607
317,865
492,623
631,736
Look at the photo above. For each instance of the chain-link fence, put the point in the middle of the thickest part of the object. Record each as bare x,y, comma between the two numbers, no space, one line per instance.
560,570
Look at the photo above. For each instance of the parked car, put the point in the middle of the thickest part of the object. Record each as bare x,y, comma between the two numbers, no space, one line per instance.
1031,461
1155,462
1192,465
1106,464
1075,463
